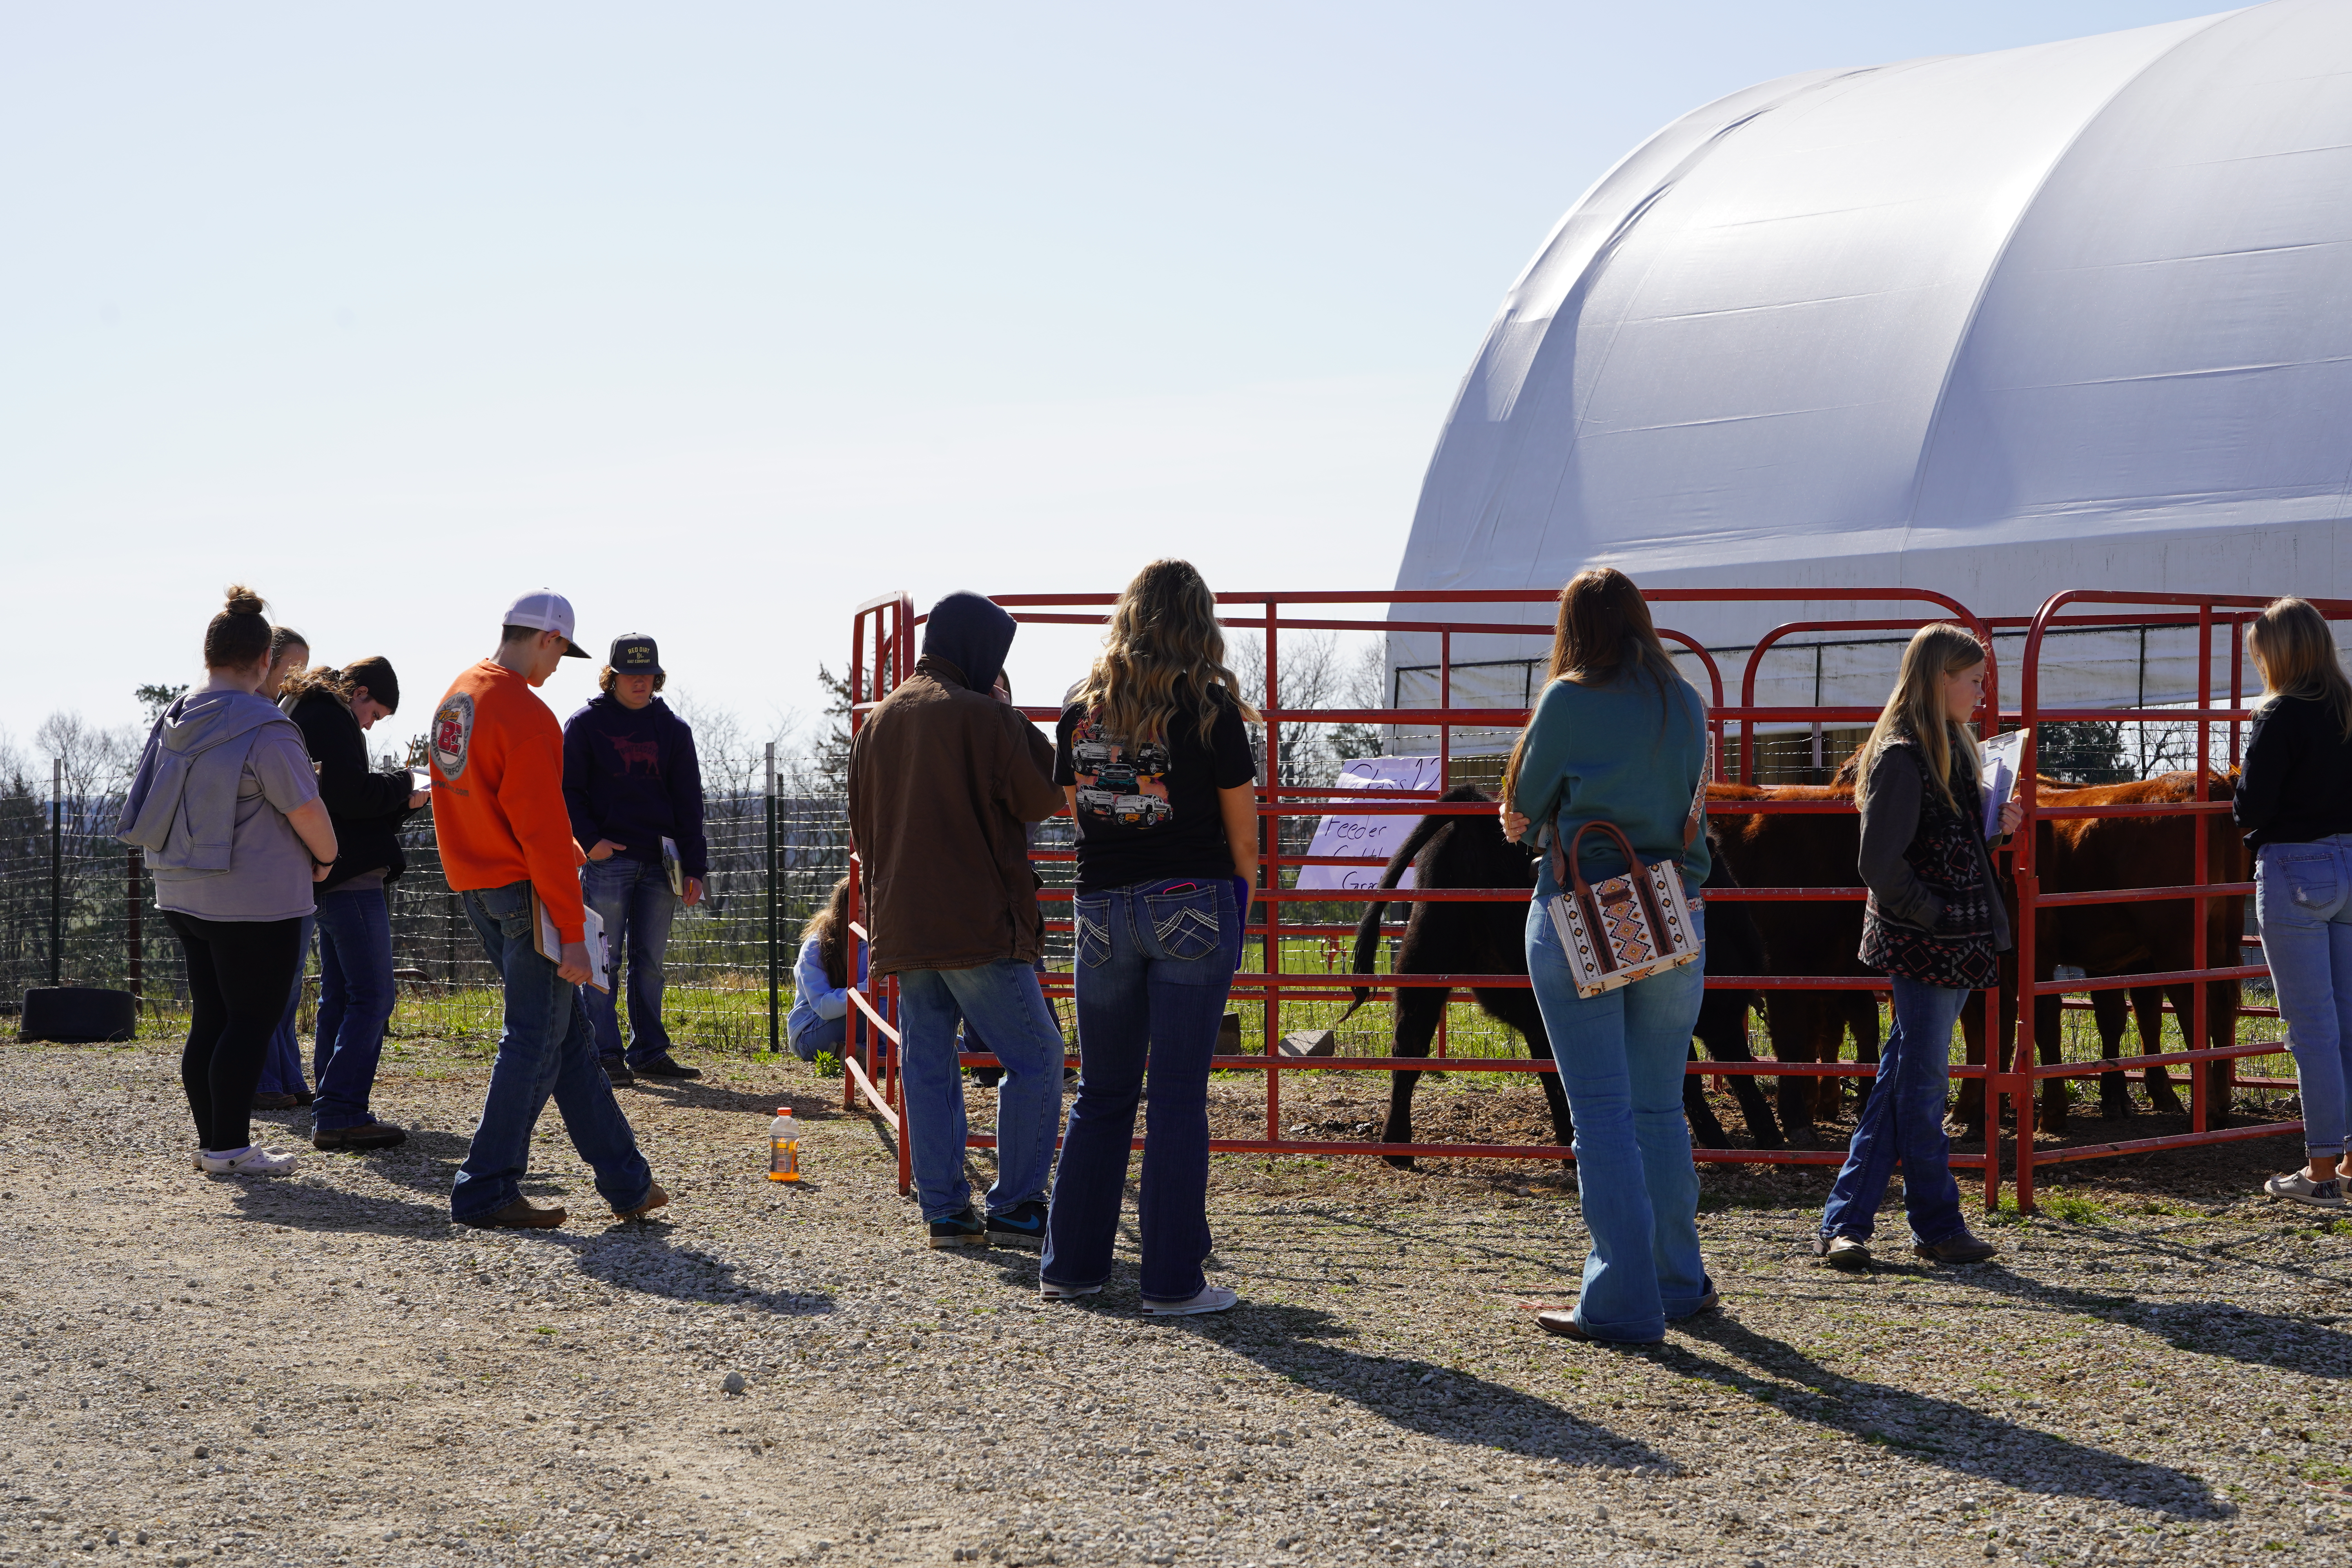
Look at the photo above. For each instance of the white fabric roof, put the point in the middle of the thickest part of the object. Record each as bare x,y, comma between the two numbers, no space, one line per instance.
2078,315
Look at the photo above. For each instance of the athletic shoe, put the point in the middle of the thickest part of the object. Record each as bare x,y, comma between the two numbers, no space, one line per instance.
1961,1249
666,1066
274,1102
617,1069
1053,1292
1211,1299
520,1213
304,1096
1022,1226
2296,1187
253,1162
1850,1253
366,1135
962,1228
655,1198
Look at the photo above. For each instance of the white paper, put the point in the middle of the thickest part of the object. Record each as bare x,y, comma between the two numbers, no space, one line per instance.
2000,756
592,933
1340,834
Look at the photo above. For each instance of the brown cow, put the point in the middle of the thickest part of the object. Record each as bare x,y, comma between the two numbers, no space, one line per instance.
2082,854
1807,850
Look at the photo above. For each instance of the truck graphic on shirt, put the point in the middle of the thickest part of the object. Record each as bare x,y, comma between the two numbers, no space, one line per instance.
1114,789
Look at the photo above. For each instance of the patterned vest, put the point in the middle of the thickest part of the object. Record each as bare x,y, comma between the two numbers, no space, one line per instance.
1946,853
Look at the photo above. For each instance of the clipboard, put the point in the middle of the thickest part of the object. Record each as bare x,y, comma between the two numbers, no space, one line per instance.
1999,757
549,944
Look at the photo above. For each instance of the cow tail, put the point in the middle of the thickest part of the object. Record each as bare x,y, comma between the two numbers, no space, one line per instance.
1368,929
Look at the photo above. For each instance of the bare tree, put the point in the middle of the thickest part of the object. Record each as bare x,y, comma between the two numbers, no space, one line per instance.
1315,671
96,760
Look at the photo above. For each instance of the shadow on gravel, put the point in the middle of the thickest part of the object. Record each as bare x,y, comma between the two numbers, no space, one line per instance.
639,1257
693,1094
2204,1328
299,1207
1300,1344
1927,1430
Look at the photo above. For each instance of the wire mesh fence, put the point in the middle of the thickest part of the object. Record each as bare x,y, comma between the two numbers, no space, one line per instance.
76,908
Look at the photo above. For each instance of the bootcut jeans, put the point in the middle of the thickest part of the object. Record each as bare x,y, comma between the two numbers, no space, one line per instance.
633,899
2303,903
1904,1120
1155,962
355,999
281,1066
1004,1002
545,1047
1620,1056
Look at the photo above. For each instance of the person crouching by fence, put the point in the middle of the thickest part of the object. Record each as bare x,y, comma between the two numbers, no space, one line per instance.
224,805
1936,924
633,785
2295,803
1619,738
819,1021
944,778
334,709
282,1085
507,851
1153,753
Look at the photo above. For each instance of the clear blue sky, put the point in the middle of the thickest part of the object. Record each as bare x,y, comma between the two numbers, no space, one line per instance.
722,318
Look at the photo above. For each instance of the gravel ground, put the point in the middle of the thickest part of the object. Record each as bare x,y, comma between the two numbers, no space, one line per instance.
323,1369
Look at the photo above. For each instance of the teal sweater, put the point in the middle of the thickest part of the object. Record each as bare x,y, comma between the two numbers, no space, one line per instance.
1599,752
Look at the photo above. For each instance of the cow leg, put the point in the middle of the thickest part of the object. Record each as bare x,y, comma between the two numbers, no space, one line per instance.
1972,1090
2049,1019
1723,1029
2107,1009
1417,1009
2220,1029
1706,1131
1518,1009
1788,1031
1861,1017
2147,1002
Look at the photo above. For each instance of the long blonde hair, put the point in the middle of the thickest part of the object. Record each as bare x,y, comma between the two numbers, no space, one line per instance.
2289,645
1603,631
1915,709
1162,658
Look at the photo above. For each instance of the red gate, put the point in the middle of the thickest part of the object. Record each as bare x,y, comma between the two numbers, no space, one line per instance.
883,653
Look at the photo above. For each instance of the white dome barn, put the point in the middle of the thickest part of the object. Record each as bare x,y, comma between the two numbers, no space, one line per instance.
2078,315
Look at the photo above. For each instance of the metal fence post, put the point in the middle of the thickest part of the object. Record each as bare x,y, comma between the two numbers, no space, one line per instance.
769,789
57,870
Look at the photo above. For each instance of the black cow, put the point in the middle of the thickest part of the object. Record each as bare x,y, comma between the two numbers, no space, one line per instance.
1489,939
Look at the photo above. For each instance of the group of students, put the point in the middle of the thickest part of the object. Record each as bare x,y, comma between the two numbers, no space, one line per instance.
1151,757
263,821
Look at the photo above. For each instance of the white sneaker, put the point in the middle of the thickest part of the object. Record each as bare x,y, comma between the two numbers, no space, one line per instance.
254,1162
2296,1187
1053,1292
1211,1299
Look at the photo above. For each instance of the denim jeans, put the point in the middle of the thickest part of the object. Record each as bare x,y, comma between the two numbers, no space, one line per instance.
355,998
1620,1056
1153,971
1003,1000
1903,1119
545,1046
2302,901
281,1068
821,1035
634,901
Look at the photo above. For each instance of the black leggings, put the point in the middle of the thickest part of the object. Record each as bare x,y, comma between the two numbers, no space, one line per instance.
240,976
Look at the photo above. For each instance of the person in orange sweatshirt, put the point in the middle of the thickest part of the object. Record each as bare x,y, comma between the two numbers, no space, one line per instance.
506,849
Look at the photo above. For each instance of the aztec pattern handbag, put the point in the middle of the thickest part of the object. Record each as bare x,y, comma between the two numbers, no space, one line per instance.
1627,927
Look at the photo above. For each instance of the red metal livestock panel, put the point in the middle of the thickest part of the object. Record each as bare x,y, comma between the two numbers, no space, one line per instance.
882,654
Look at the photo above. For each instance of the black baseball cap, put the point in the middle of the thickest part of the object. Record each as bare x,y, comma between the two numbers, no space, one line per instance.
634,653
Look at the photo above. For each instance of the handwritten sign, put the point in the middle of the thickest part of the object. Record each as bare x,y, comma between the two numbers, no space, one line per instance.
1374,837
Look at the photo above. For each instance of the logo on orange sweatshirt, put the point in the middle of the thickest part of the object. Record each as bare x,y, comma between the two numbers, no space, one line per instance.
452,732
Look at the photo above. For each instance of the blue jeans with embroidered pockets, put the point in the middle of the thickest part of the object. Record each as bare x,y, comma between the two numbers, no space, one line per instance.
2303,902
1621,1057
1004,1002
1904,1120
1154,966
355,998
545,1047
281,1069
633,899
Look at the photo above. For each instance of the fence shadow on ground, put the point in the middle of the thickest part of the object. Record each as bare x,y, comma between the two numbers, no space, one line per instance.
2205,1328
1927,1430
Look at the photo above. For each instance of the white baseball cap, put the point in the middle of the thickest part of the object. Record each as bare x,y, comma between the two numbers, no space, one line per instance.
546,611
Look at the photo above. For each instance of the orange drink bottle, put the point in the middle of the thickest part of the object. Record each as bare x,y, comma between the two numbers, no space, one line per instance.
783,1147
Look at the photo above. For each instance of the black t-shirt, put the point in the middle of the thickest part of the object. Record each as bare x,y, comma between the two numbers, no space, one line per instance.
2297,782
1150,812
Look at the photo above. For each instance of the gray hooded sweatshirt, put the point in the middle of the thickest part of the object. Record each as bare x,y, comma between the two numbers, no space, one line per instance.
208,805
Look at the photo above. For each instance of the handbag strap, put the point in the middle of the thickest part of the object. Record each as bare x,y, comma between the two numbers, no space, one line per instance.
1563,869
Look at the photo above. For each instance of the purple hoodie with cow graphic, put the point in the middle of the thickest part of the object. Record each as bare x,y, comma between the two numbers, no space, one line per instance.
630,774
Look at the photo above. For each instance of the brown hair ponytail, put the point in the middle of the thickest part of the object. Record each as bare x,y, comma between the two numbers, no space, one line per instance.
237,637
